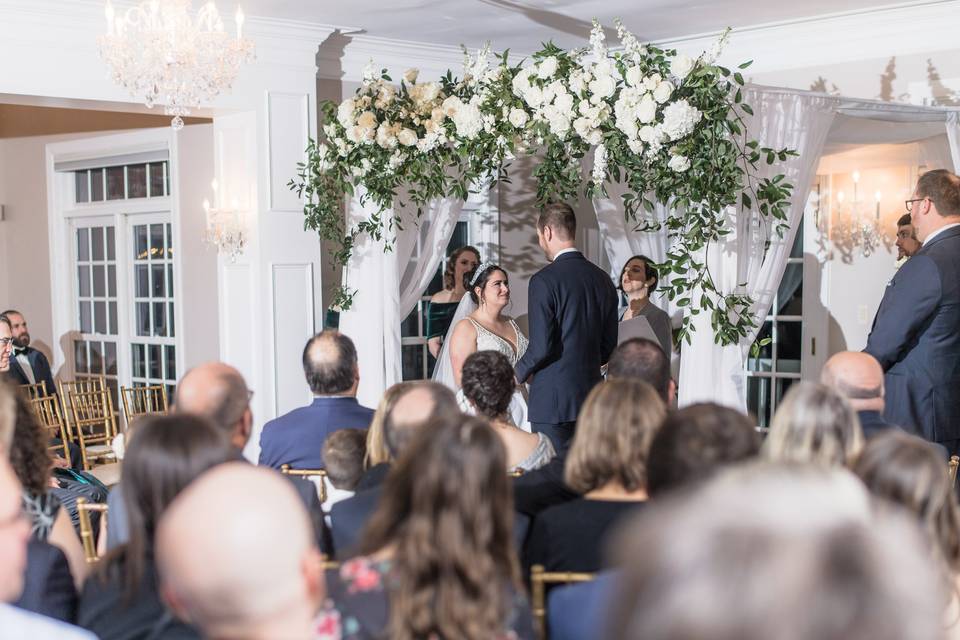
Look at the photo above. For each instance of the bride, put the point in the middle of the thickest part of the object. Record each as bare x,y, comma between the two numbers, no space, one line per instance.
479,325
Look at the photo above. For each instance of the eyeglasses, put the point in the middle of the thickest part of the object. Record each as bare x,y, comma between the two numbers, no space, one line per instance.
909,203
5,341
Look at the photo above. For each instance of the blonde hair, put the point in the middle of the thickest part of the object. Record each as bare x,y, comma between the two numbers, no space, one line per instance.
814,424
614,432
377,450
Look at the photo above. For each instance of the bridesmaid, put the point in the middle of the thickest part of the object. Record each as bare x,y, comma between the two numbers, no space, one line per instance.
638,279
444,303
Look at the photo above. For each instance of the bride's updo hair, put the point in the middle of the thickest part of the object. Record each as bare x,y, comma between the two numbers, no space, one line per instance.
486,270
488,383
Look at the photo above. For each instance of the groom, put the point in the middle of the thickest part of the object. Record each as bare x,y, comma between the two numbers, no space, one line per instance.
573,328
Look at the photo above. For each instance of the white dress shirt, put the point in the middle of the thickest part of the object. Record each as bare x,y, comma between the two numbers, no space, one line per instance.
18,624
563,251
939,231
24,363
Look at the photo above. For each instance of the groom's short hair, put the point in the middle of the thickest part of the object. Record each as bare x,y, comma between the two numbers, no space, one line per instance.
559,216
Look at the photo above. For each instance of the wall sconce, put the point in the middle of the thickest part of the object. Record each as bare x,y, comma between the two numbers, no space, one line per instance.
226,229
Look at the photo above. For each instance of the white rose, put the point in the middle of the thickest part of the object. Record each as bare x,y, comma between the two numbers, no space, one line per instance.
577,82
518,117
663,91
451,106
650,82
521,81
533,96
407,137
547,67
564,102
679,163
603,68
681,66
679,119
602,87
634,76
635,145
385,137
367,120
345,113
647,133
647,109
354,134
429,91
410,75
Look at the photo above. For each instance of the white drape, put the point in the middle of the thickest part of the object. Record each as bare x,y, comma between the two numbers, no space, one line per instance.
953,134
421,246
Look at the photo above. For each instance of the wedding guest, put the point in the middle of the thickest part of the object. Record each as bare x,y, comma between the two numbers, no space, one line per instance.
638,279
774,552
27,365
914,335
644,360
241,569
343,454
694,443
377,460
121,599
814,424
6,346
907,243
296,439
437,559
607,464
488,385
443,304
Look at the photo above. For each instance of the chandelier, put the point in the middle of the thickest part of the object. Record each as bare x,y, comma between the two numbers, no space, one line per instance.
162,55
856,224
225,227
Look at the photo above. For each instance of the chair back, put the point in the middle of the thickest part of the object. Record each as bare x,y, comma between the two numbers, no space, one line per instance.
952,470
85,384
47,410
93,424
539,579
311,474
34,391
142,401
84,507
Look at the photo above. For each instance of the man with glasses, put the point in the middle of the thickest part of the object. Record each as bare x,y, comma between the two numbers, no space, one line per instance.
916,332
6,346
27,365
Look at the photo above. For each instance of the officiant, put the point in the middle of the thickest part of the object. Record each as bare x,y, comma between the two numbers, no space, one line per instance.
638,279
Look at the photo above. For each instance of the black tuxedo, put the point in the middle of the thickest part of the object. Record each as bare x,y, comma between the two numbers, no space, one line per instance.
39,364
573,330
916,339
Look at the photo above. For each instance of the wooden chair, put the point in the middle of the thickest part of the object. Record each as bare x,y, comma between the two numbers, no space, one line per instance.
34,391
309,473
84,507
142,401
84,385
93,424
47,410
952,470
515,473
539,579
328,564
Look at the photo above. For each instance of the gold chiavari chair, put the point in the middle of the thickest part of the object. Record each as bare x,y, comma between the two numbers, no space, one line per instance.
952,470
47,410
93,424
539,579
84,507
34,391
328,564
84,385
309,473
142,401
515,473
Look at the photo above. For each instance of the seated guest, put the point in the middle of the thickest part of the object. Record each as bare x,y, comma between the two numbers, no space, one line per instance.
32,463
244,569
638,279
376,462
296,439
773,552
121,597
437,560
418,403
48,587
6,348
17,623
695,442
814,424
343,454
488,384
607,464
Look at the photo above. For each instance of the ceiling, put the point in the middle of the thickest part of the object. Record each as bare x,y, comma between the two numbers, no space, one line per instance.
522,24
18,120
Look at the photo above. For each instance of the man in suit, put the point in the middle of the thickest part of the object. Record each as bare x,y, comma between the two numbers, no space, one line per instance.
916,332
27,365
330,365
907,243
572,314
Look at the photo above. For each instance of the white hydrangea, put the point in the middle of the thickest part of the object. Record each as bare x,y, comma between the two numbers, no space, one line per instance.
345,113
663,91
587,131
579,81
547,67
679,119
599,173
518,117
679,163
468,120
396,159
681,66
386,137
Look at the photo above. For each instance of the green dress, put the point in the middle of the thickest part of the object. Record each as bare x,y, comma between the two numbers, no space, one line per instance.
439,315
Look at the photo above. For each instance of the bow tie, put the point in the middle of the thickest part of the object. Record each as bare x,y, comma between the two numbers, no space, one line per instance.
19,350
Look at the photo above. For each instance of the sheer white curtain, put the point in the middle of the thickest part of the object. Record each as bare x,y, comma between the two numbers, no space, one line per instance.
421,247
953,134
753,254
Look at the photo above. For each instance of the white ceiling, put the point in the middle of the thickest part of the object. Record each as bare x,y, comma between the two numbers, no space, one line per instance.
522,24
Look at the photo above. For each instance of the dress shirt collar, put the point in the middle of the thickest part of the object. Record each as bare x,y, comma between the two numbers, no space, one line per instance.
565,251
939,231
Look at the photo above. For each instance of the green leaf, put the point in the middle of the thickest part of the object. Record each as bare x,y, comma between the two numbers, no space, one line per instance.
745,64
747,108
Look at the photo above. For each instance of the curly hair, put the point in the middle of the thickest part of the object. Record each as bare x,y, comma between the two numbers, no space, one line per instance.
29,456
453,541
488,382
450,272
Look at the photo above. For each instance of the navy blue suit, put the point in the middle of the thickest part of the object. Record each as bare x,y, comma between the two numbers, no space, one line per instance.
916,339
41,370
572,316
48,587
297,438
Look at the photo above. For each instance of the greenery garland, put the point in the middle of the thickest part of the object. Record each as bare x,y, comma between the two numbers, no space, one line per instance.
668,126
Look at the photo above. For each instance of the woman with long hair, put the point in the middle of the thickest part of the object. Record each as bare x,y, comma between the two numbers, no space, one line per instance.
377,451
437,558
638,279
443,304
121,598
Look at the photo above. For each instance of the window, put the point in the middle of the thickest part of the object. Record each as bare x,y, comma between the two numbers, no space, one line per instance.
153,351
124,182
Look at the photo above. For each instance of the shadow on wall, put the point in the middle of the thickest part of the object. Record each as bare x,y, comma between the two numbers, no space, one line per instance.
551,19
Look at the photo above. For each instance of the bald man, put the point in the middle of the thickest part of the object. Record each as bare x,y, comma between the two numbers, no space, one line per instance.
243,570
217,391
296,438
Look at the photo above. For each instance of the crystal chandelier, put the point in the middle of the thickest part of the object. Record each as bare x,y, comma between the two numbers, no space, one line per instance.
854,225
225,227
162,55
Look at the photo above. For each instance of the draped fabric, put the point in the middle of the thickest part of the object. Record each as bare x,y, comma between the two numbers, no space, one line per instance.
421,246
953,135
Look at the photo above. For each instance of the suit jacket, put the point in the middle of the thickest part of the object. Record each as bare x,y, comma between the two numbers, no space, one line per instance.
41,370
297,438
916,338
573,330
874,424
48,587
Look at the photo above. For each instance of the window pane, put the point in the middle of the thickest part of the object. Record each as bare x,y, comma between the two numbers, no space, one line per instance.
139,361
159,285
413,362
758,400
171,393
783,385
790,293
142,279
110,358
83,280
170,318
156,241
80,356
169,240
156,179
83,245
96,237
137,181
112,281
115,188
100,317
111,244
155,362
96,185
410,326
762,362
143,318
169,280
86,326
96,361
99,281
170,366
159,319
789,345
114,329
797,250
83,187
140,242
